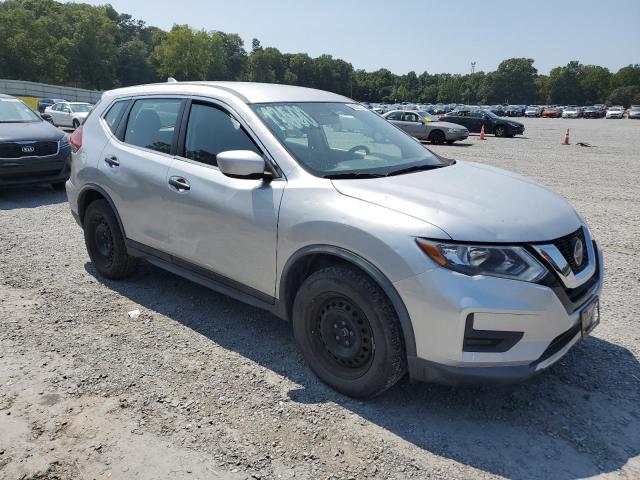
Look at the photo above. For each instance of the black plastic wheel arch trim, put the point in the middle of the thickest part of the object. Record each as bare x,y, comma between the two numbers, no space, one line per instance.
374,272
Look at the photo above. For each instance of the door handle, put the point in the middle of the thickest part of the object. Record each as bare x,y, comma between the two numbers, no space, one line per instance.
112,161
180,184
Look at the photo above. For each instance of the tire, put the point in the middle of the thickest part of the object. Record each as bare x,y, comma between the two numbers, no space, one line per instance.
59,186
437,137
450,142
349,332
105,242
75,123
500,131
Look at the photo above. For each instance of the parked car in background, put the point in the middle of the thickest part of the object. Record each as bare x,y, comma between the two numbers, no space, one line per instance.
533,112
552,112
68,114
424,126
31,150
572,111
634,112
473,120
385,257
512,111
593,112
497,110
615,112
43,103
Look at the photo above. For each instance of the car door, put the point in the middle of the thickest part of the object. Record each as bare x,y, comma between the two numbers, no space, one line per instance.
460,118
226,226
414,125
135,165
64,113
397,118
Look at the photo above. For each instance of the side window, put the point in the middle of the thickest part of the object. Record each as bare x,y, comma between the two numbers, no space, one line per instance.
152,123
395,116
410,117
211,131
113,115
55,107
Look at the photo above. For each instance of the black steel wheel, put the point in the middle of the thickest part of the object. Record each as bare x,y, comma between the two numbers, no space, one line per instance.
349,332
105,242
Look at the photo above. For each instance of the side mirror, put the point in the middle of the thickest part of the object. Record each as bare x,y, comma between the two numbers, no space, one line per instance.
241,164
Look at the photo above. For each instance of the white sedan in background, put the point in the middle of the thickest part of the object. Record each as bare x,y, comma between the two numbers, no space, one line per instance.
68,114
615,112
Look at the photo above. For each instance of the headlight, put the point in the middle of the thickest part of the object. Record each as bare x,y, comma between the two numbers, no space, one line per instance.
451,130
496,261
64,140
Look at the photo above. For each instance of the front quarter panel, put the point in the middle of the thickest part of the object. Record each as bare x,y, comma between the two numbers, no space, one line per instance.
314,213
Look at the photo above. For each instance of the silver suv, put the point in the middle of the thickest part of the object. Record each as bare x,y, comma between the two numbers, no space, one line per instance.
384,256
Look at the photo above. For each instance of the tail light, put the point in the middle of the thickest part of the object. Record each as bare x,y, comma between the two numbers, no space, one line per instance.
76,138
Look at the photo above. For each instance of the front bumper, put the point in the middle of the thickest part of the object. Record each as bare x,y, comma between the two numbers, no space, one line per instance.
35,170
456,136
544,318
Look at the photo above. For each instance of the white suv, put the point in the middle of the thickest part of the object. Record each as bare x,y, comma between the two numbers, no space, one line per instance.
383,255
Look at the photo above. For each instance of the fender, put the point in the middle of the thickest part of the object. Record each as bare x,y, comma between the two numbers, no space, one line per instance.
92,186
371,270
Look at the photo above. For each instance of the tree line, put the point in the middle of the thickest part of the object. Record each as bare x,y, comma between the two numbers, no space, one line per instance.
96,47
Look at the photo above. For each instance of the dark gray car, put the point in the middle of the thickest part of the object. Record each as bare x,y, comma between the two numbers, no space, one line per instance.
31,150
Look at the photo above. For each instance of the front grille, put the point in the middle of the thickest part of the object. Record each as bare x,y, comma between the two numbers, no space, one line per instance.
565,245
40,149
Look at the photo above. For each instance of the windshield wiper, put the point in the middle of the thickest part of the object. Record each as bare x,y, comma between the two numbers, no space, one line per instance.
348,175
414,168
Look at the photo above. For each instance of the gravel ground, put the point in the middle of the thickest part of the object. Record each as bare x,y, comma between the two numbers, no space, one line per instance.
203,387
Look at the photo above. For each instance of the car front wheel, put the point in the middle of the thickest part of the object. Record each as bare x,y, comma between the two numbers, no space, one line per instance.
500,131
349,332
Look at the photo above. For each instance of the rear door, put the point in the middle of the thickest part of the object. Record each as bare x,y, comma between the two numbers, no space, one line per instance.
461,118
226,226
135,165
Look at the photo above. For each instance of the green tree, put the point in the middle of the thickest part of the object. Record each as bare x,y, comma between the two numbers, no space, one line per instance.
626,96
184,54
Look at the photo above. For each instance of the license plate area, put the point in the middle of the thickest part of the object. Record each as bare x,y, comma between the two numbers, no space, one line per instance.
590,317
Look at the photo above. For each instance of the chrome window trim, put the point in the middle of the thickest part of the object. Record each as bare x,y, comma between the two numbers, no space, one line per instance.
554,259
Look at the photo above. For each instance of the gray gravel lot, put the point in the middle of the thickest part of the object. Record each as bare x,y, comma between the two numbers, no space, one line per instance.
203,387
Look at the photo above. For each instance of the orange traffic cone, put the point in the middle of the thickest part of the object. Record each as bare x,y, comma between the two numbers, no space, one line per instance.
566,138
482,136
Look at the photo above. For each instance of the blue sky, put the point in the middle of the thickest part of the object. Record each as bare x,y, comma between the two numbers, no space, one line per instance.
404,35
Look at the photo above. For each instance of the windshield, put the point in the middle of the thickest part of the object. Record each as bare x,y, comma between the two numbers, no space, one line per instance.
334,140
489,113
80,107
13,110
428,117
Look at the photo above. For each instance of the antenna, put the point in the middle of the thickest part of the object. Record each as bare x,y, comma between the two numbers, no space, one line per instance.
473,67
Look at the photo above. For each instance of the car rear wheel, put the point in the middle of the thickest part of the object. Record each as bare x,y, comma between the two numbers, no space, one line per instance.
349,332
105,242
75,123
437,137
500,131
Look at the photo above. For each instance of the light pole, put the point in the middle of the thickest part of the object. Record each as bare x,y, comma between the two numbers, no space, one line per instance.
473,69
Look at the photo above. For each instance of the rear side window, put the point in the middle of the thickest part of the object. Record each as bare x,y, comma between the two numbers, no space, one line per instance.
211,131
395,116
152,123
112,118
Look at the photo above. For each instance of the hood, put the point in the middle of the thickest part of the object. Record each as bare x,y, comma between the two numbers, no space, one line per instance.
31,131
514,124
447,125
472,202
